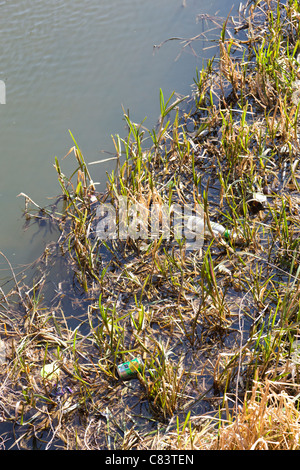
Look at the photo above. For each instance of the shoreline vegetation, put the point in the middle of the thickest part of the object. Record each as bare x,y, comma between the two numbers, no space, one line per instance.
217,329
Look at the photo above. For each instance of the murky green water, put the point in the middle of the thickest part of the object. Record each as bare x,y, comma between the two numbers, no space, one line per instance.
72,65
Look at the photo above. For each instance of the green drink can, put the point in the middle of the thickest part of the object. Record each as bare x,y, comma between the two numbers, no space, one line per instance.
128,370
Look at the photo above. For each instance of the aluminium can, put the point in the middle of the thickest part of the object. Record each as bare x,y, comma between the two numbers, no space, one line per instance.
128,370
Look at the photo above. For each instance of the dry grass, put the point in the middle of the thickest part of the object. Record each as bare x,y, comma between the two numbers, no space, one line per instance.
268,420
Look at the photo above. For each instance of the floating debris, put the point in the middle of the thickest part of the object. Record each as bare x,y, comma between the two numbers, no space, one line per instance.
50,371
59,391
257,202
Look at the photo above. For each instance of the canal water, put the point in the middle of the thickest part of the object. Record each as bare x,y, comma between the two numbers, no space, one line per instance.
73,64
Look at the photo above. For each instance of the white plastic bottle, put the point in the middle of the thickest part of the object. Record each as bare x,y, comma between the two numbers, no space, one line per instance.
196,224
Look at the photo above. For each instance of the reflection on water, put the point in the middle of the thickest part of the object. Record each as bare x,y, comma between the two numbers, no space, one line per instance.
72,65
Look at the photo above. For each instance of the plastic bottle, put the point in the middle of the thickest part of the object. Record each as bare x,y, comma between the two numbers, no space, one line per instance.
196,224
